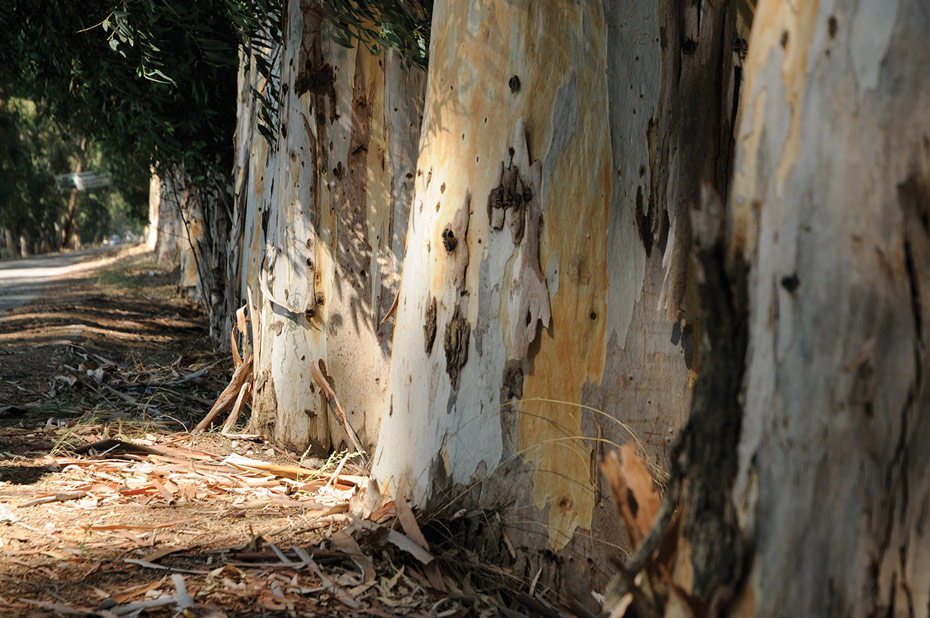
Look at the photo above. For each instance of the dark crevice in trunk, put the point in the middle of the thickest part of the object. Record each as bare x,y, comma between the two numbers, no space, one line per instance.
706,452
913,284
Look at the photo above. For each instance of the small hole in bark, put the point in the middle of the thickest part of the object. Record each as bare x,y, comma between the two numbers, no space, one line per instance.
631,500
790,283
832,26
593,315
437,206
442,188
529,318
514,84
784,39
688,47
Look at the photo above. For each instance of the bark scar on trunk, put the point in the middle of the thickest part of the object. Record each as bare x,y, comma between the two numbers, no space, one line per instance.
457,335
519,193
429,326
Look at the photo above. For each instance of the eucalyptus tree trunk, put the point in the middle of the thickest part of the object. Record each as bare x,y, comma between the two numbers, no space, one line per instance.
170,227
151,230
545,309
191,245
828,235
322,229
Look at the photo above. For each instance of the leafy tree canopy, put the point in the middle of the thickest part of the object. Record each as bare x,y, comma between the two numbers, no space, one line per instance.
154,81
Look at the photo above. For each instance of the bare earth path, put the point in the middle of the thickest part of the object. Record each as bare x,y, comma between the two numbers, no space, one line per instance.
110,507
22,280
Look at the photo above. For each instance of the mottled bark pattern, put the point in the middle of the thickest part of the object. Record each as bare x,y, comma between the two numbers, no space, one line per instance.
830,211
319,216
582,130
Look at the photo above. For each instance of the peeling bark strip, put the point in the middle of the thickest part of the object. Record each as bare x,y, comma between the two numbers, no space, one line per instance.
513,198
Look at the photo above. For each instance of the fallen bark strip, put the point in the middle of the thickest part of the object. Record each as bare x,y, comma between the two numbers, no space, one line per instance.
318,371
228,397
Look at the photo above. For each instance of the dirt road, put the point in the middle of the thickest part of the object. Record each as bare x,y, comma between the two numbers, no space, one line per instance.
21,281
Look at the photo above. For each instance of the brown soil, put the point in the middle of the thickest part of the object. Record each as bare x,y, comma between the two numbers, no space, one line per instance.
112,353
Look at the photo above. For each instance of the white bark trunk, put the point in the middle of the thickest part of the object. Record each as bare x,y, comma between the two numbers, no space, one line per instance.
151,230
558,143
830,208
170,227
323,230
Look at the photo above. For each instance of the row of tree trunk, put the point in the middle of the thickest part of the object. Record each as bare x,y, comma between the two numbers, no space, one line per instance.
593,223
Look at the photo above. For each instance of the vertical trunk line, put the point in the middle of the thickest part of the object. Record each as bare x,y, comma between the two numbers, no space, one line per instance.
705,454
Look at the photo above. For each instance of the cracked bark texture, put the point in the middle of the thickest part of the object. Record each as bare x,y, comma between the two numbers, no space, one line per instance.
578,133
830,209
321,218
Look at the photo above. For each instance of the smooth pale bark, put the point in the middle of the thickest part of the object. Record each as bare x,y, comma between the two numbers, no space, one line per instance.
9,247
830,209
191,248
187,224
322,230
167,247
562,147
151,230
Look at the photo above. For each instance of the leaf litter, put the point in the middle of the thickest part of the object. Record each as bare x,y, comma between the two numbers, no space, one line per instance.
110,506
178,522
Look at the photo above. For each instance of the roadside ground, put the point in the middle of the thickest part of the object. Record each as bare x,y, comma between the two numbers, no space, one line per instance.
110,507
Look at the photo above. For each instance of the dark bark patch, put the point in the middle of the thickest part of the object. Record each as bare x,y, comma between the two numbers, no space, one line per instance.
429,326
631,500
512,382
449,241
790,282
644,222
705,453
914,200
832,26
513,193
684,336
318,79
456,338
514,84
